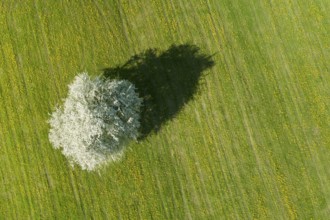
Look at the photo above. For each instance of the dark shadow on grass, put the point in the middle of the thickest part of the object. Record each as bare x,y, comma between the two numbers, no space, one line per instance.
166,80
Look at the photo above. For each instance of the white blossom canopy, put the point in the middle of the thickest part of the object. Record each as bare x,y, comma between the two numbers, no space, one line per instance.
97,119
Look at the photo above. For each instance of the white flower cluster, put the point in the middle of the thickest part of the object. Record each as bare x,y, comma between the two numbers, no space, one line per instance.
98,117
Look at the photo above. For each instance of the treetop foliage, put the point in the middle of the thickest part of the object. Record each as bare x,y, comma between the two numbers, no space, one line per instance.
98,117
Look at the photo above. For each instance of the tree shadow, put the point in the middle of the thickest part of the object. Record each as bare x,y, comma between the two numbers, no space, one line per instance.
165,80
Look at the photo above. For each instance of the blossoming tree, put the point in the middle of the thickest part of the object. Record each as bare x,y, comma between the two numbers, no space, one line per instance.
97,119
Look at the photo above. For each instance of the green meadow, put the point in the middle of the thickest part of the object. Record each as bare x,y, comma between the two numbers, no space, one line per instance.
249,138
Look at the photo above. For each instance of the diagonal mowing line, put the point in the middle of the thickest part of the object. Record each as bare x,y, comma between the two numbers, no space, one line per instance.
20,70
245,119
124,22
314,58
4,137
106,24
11,24
46,47
294,93
241,66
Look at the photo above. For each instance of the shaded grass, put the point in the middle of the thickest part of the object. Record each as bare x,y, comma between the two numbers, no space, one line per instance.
166,81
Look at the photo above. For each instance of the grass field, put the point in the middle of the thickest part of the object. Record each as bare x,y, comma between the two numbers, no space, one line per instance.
252,142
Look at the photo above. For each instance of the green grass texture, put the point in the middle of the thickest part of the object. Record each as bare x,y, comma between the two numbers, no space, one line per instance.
236,117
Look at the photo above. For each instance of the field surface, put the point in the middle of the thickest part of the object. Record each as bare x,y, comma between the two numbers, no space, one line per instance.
242,131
